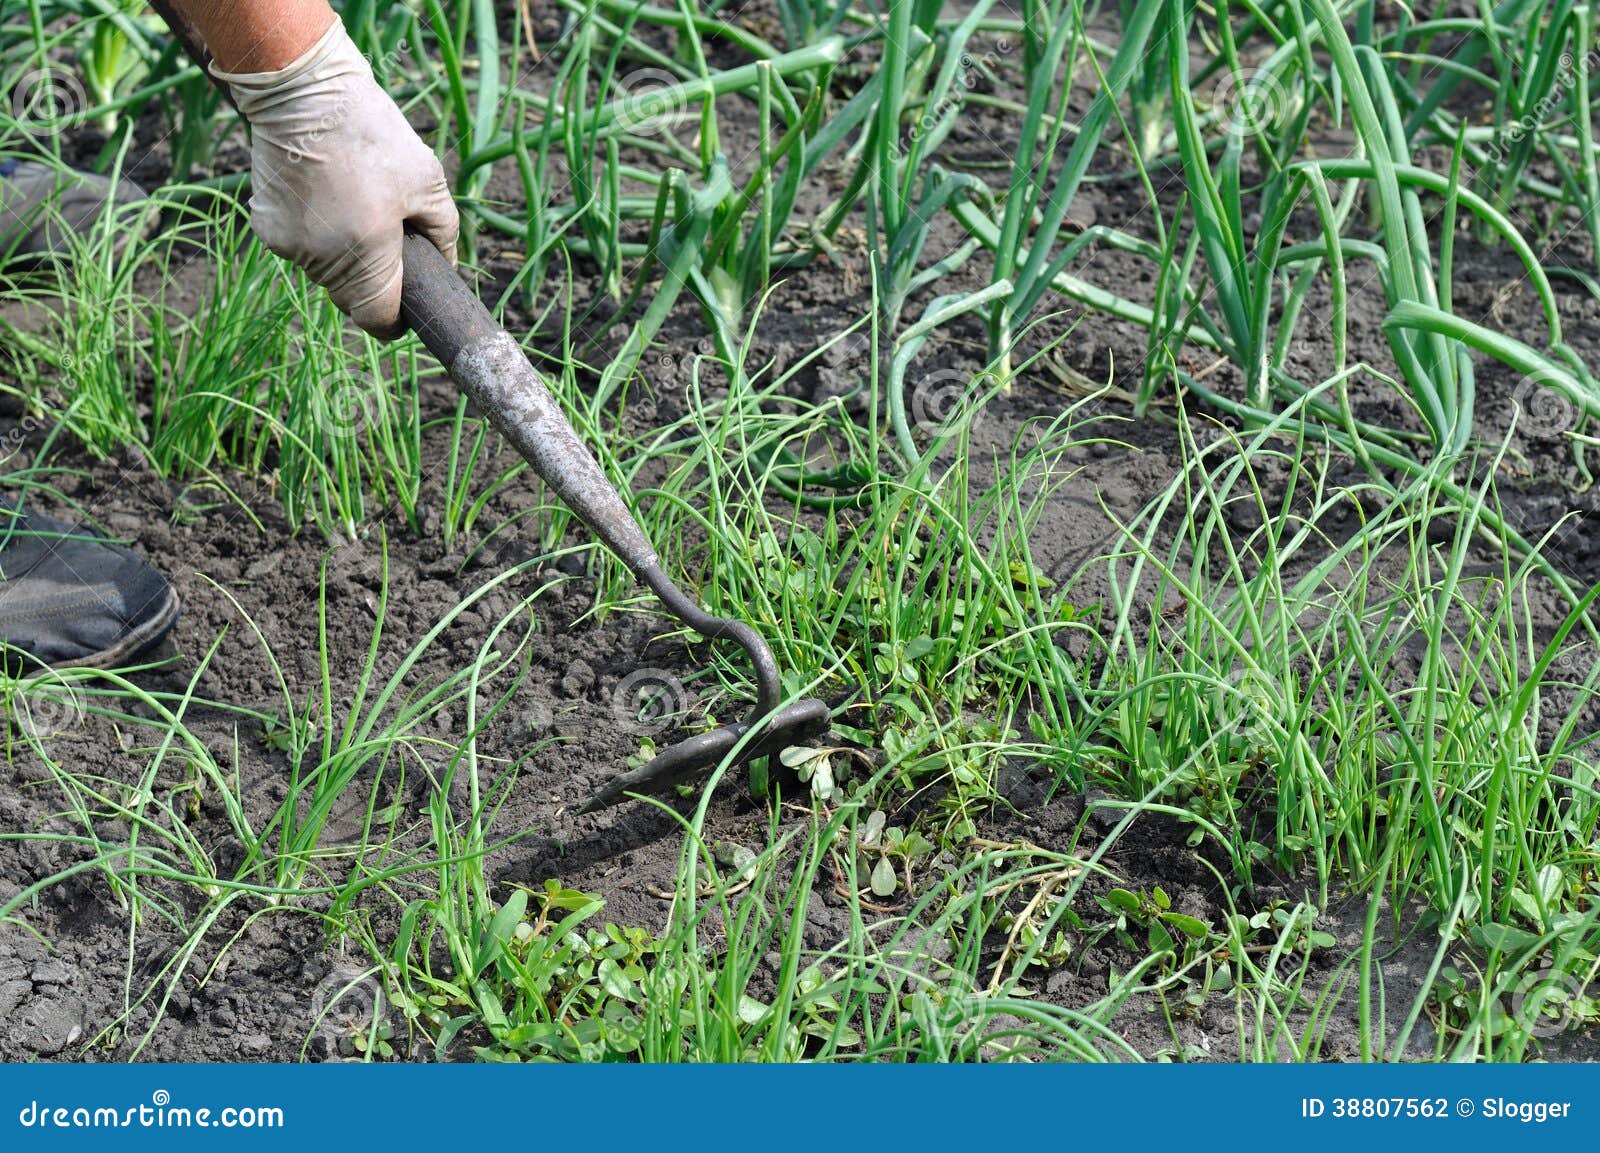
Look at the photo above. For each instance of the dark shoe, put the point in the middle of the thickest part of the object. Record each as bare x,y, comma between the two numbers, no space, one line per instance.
70,598
42,208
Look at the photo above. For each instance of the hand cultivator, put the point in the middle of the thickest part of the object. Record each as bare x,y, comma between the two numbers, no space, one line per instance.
484,360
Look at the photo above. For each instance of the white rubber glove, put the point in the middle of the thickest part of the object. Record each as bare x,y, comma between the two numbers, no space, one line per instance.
338,174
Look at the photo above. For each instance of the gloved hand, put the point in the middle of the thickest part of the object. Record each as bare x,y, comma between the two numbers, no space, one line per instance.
338,173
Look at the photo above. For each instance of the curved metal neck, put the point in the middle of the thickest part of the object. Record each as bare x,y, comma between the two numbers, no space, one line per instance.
769,684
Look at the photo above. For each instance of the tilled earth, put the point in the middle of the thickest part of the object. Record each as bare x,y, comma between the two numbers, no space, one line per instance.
79,981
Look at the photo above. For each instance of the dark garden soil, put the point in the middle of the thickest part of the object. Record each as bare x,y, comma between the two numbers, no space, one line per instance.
251,990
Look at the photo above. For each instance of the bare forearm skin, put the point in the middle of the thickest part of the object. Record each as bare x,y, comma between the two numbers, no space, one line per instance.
258,35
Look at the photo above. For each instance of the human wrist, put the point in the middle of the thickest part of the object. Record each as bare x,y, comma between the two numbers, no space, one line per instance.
259,36
333,54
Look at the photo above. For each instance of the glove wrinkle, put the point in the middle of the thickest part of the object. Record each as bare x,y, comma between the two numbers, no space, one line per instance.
338,173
